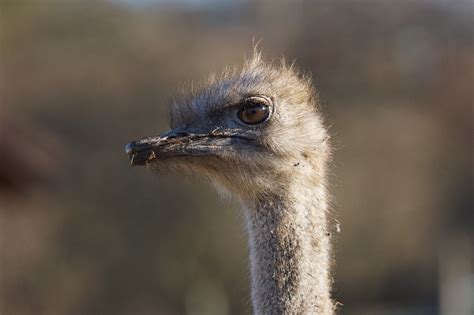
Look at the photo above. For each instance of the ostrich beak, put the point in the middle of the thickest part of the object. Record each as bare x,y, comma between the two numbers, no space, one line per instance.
178,143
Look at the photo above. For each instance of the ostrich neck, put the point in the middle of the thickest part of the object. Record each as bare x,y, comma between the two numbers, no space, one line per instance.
289,251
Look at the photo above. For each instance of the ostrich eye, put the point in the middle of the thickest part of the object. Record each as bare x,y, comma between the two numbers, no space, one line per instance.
255,110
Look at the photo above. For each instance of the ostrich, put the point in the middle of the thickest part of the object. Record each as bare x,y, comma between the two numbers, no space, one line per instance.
257,134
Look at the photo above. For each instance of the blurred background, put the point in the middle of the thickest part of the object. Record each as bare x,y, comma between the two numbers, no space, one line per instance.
83,233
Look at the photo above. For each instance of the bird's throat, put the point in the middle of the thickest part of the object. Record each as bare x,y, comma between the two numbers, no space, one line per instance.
289,253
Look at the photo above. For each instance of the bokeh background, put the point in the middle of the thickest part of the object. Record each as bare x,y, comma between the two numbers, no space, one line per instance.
83,233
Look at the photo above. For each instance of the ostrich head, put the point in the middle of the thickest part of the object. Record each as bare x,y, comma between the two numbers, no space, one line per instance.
257,134
249,130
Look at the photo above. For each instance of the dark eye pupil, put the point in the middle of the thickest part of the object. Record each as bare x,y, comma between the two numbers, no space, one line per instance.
254,113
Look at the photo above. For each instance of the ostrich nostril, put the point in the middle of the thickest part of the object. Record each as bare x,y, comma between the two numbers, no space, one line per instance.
175,134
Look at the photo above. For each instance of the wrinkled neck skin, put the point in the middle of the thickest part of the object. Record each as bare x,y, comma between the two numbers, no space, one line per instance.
289,248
